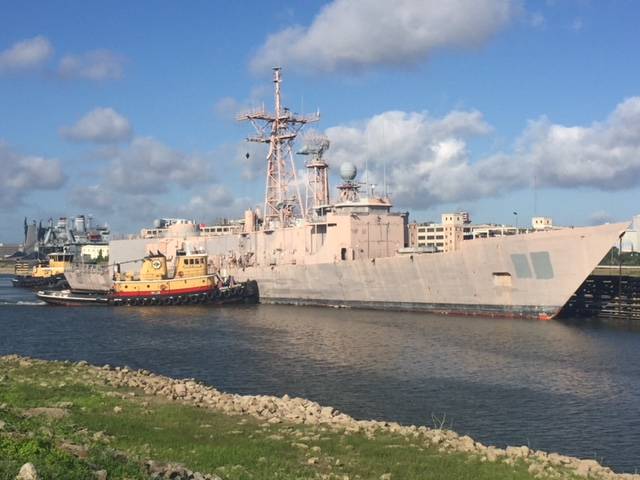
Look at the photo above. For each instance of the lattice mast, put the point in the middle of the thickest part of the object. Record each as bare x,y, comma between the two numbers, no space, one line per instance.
317,173
279,130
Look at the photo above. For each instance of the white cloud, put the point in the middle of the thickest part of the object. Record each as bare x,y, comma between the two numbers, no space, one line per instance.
537,20
94,198
215,203
227,107
148,166
20,174
252,158
428,161
599,217
354,34
26,55
101,125
95,65
147,179
604,155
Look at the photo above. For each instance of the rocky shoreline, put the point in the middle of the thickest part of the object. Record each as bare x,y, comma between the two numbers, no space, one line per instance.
276,410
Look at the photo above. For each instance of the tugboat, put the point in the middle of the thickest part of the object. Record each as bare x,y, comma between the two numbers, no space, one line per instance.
49,274
190,284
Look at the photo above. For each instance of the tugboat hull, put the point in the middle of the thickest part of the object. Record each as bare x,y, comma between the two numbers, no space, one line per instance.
54,282
245,292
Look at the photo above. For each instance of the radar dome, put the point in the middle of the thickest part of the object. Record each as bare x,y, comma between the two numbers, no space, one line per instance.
348,171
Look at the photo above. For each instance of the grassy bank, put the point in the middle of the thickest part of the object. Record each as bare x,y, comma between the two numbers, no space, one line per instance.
75,421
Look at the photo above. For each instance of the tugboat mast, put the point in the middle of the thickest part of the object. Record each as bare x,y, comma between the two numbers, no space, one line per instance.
279,130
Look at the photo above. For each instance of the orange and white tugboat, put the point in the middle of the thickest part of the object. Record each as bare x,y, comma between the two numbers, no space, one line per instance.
190,284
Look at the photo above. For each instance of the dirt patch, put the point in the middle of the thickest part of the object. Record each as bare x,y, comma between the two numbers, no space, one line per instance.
50,412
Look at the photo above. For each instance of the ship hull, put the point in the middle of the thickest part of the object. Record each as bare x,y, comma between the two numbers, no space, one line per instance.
530,276
56,281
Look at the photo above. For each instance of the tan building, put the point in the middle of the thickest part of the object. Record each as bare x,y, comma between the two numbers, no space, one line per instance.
446,236
94,251
456,227
541,223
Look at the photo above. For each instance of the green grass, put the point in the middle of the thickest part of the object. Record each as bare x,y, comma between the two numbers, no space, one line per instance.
233,447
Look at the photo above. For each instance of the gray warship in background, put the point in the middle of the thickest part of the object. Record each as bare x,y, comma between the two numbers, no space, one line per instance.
354,252
64,234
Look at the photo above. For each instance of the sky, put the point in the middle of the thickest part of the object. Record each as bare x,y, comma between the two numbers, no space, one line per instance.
126,110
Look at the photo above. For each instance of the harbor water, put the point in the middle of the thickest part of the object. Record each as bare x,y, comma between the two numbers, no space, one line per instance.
556,386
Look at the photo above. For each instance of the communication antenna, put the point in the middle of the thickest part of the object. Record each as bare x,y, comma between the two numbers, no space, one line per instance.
366,167
384,167
535,193
279,130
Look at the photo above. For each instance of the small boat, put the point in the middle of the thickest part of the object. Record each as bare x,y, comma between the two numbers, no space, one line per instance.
49,274
70,298
189,284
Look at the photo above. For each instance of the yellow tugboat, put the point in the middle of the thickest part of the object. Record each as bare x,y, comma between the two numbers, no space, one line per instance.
49,274
153,285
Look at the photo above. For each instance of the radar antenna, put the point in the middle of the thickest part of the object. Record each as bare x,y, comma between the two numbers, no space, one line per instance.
315,144
279,130
349,188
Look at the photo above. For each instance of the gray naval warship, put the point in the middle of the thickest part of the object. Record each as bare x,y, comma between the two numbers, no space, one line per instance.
353,252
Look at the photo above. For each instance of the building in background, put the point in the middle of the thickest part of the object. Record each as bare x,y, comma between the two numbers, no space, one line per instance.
161,228
456,228
66,233
631,238
94,252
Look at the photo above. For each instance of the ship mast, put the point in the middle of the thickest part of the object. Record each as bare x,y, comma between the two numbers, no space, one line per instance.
279,130
317,195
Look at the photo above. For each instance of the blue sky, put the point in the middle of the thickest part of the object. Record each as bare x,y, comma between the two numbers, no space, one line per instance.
124,110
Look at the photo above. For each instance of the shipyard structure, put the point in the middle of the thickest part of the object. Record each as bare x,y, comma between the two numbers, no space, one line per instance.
79,236
305,248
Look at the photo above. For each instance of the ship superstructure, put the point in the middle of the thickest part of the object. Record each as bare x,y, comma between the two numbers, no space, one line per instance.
354,253
282,201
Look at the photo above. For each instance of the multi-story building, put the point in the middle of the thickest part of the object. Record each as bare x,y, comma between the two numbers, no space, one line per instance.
455,228
445,236
95,251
